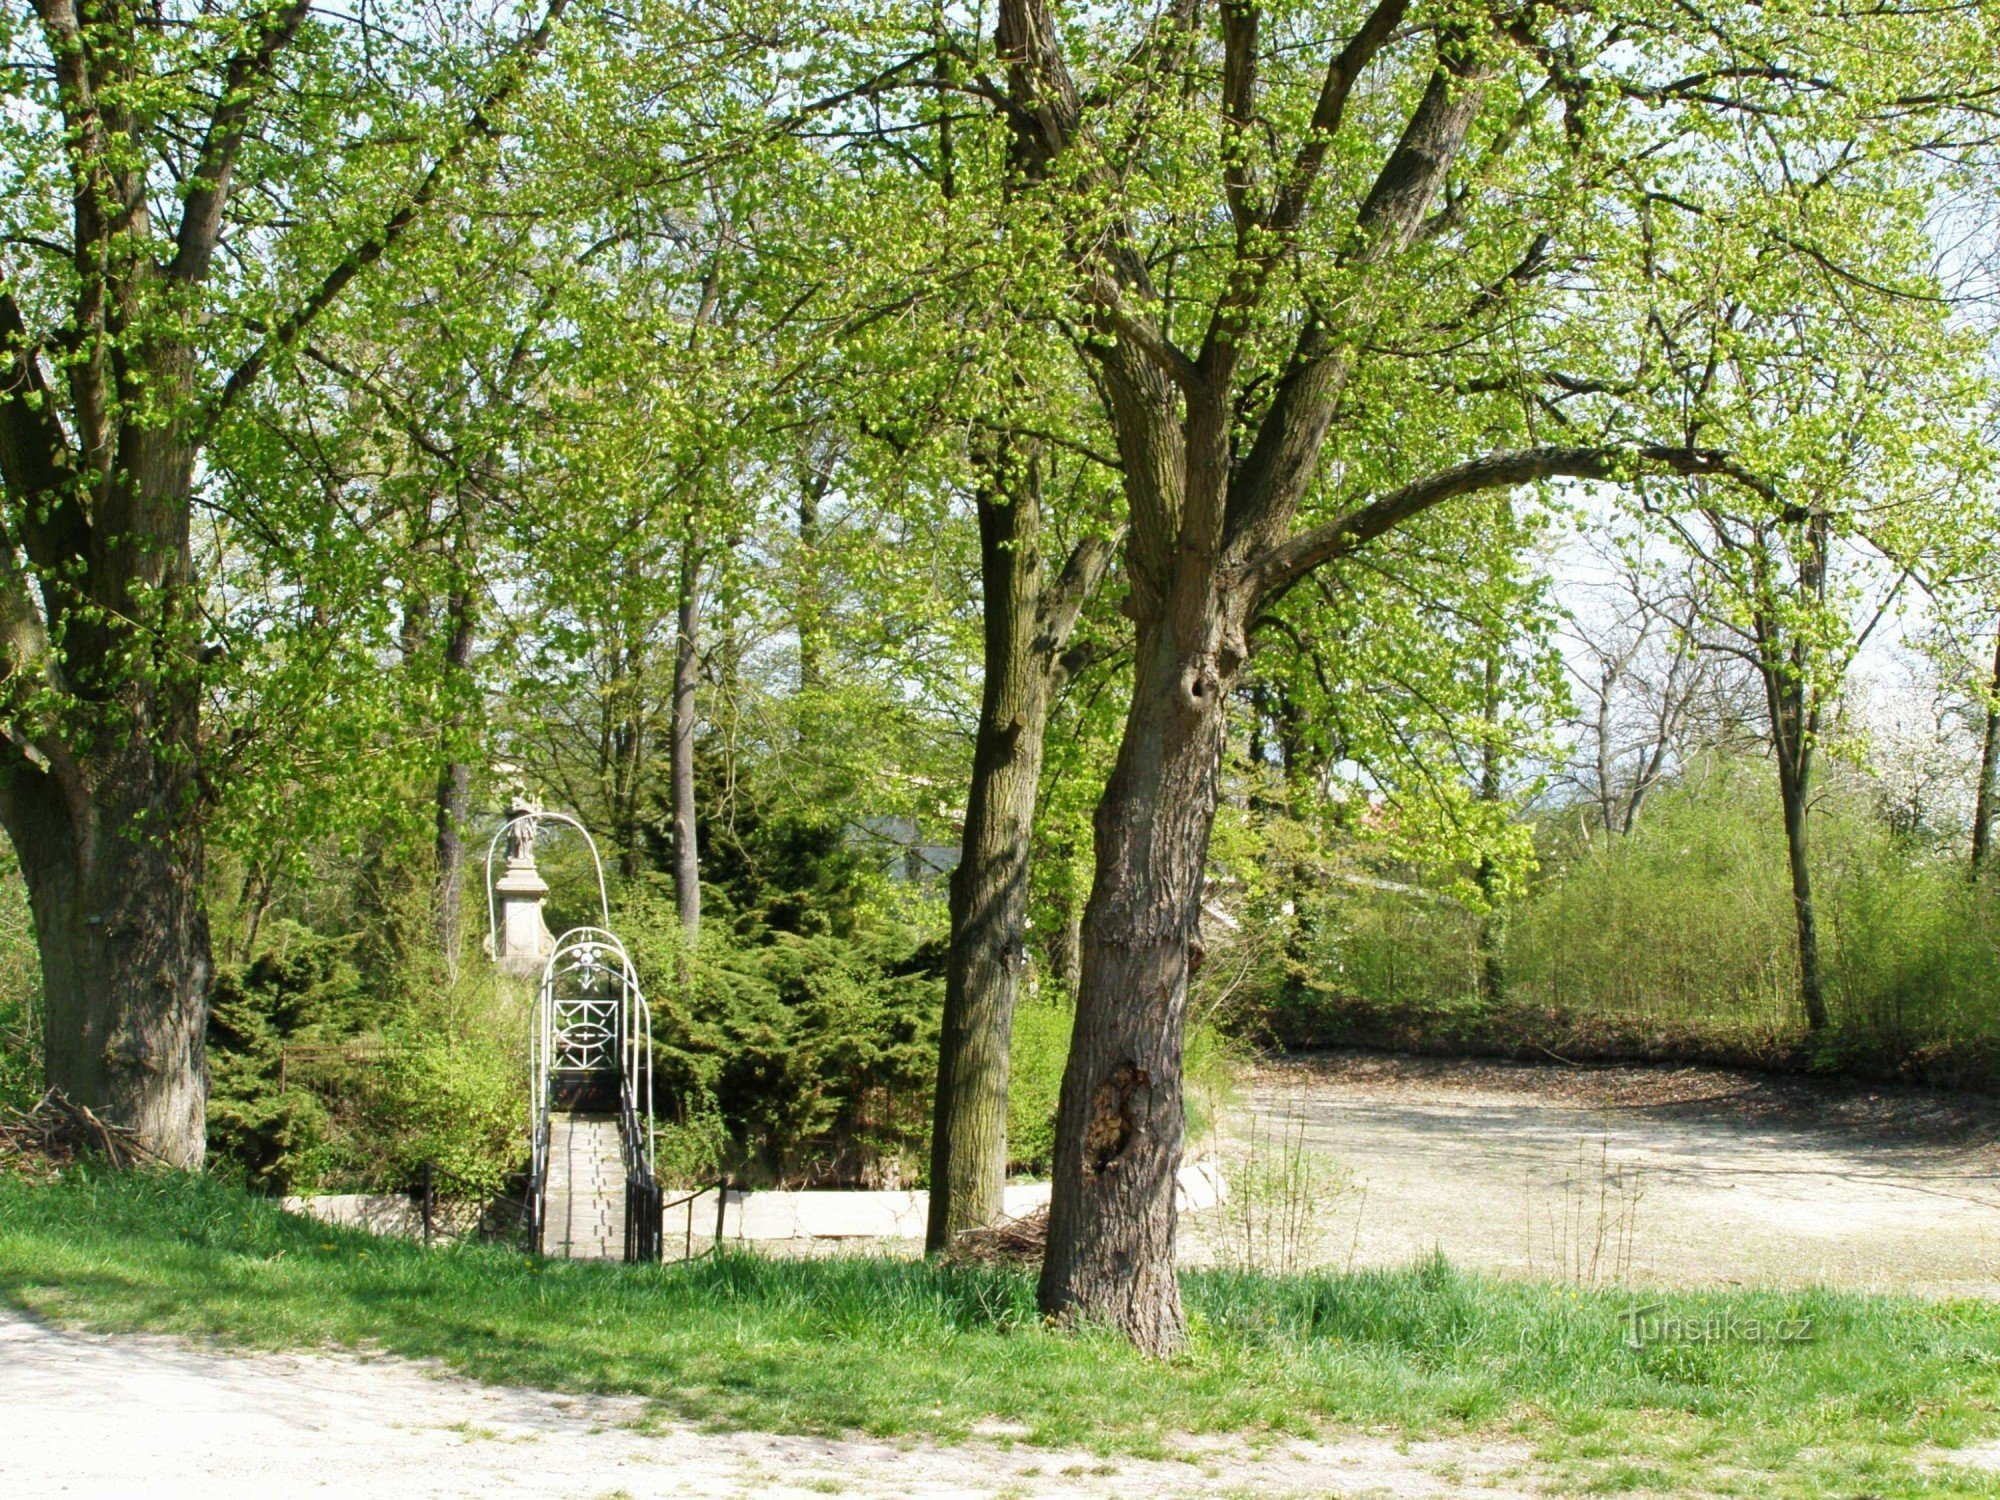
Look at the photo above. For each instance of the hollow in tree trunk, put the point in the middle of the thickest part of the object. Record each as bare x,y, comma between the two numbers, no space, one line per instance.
1120,1122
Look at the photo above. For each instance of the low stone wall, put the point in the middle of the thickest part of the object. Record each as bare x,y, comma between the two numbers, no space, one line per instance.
400,1214
756,1215
378,1213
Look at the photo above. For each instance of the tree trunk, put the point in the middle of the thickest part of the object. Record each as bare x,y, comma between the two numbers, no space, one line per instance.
1794,785
687,674
810,599
989,889
123,938
1989,771
1492,922
1794,709
454,785
1120,1123
1066,946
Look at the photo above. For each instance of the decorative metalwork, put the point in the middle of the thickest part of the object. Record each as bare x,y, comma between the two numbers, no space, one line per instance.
593,1029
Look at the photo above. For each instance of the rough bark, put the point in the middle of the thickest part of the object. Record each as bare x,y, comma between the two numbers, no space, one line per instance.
101,786
1120,1123
1212,491
114,882
989,888
1028,618
1205,552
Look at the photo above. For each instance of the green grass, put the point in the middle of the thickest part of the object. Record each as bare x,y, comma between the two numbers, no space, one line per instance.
897,1348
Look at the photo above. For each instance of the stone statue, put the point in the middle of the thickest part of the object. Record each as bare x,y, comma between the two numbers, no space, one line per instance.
522,810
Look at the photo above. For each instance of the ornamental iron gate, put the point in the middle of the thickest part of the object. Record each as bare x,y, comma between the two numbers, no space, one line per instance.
590,1054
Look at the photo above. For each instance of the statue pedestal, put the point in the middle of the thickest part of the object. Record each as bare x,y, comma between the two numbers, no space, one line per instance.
525,941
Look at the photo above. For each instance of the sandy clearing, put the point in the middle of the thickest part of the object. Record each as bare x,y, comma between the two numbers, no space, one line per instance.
85,1415
1669,1177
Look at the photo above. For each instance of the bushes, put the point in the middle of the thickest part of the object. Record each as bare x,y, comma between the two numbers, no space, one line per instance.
1678,941
320,1085
1688,918
304,990
1034,1082
462,1105
811,1043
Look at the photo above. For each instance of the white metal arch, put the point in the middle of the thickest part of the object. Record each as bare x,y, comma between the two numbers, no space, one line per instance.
592,1019
534,820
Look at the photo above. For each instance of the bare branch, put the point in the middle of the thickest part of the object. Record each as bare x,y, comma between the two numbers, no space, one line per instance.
1268,577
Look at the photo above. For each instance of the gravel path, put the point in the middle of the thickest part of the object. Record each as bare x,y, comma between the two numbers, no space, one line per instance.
1662,1176
84,1415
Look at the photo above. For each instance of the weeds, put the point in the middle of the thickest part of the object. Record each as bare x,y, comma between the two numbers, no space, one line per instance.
1586,1232
1281,1195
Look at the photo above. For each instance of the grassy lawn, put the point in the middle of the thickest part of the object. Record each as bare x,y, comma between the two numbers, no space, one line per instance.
898,1348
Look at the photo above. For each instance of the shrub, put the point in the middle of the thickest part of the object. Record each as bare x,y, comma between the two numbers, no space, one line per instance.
1034,1082
461,1105
815,1050
20,992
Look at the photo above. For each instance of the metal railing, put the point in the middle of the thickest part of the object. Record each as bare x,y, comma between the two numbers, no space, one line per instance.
593,1027
592,1034
688,1200
452,1209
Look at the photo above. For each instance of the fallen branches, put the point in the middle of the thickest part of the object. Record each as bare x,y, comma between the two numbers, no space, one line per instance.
1010,1242
38,1143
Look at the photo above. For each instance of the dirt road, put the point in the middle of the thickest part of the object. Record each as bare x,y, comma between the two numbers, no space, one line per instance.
1656,1176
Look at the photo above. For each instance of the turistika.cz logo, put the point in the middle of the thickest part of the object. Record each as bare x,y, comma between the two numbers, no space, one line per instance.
1646,1326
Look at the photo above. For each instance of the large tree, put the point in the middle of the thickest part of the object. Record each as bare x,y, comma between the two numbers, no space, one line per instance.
1330,268
195,187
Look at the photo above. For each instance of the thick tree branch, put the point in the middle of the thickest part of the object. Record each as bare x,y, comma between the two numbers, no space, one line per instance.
1267,577
1285,455
1239,108
35,456
1062,604
246,80
1050,111
1341,75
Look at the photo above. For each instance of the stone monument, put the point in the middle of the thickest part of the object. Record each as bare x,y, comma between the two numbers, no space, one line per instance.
525,940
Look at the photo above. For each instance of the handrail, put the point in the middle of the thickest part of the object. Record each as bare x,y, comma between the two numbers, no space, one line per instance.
628,1049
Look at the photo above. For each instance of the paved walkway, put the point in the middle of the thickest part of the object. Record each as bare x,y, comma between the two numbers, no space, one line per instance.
586,1190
